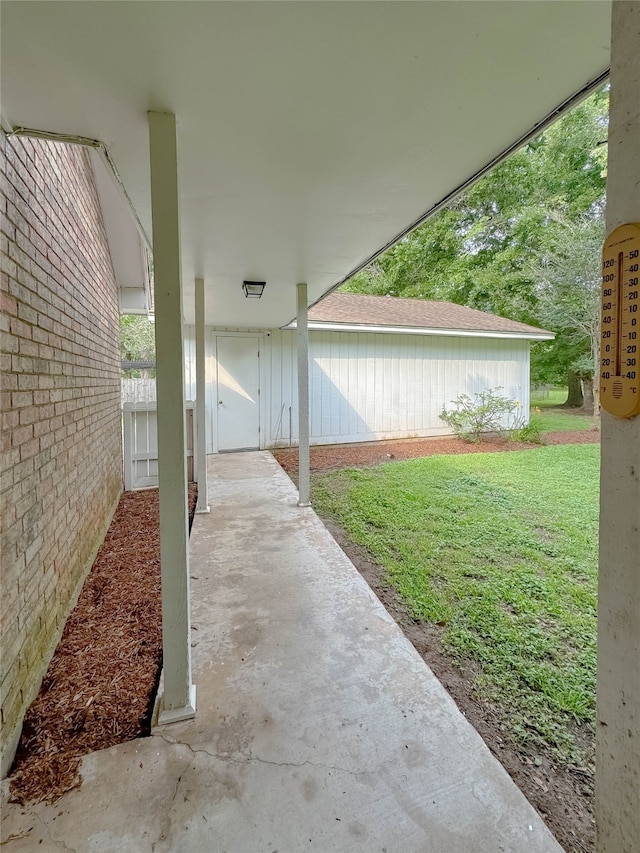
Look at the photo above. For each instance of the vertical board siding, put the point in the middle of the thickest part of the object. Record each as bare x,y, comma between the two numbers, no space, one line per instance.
190,393
366,386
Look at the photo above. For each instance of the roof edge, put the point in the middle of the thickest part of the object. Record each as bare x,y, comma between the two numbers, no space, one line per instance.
573,100
125,233
317,325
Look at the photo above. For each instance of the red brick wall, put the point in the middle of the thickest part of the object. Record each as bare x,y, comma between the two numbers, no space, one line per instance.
61,454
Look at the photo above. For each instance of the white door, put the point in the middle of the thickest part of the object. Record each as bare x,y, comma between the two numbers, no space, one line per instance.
238,383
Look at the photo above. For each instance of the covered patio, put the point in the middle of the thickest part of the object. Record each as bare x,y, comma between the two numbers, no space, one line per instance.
319,727
290,143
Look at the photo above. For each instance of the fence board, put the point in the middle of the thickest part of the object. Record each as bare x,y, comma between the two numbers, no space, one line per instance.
138,391
140,443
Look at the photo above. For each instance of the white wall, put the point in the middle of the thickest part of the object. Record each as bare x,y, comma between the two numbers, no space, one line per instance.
366,386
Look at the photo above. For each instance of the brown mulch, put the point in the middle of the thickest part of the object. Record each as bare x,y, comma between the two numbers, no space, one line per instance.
101,683
325,457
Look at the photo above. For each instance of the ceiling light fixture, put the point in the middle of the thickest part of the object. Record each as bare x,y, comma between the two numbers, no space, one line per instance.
253,289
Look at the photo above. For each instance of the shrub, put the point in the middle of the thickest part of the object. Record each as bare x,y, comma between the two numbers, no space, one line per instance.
483,413
521,431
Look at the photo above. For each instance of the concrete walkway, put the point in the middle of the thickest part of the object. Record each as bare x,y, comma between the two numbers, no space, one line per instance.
319,728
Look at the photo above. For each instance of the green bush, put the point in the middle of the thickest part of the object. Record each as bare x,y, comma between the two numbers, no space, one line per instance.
522,431
483,413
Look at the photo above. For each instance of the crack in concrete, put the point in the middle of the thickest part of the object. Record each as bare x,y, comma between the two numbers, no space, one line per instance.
308,763
45,830
166,823
253,758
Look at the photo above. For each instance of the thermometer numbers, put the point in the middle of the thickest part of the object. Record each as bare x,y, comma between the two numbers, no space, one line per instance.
619,366
630,292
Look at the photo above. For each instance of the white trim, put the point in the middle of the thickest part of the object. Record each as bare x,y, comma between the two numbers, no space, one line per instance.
115,203
422,330
566,106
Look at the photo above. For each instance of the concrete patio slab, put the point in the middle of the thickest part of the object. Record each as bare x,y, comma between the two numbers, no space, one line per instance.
318,728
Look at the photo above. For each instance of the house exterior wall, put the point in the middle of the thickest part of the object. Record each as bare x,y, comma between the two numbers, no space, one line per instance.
61,453
368,386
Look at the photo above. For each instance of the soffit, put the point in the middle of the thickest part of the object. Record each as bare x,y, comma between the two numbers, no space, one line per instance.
309,133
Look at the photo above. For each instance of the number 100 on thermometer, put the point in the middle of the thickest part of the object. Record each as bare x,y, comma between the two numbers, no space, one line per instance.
620,322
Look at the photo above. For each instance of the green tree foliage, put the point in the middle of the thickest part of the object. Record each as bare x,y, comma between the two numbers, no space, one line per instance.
568,278
137,338
488,249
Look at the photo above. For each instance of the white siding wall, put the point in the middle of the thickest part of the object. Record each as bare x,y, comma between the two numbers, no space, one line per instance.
366,386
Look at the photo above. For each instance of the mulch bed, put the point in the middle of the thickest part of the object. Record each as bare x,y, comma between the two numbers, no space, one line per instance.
373,453
101,684
102,680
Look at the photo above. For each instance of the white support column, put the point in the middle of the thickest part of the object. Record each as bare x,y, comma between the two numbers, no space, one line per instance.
303,397
618,707
178,699
201,412
127,447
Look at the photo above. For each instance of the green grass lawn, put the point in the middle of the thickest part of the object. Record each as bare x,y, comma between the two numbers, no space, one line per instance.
556,420
554,397
500,549
547,413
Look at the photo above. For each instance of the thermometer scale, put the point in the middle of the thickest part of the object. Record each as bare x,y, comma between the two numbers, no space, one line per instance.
620,322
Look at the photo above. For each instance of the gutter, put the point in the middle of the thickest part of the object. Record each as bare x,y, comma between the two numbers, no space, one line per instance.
550,118
543,335
103,152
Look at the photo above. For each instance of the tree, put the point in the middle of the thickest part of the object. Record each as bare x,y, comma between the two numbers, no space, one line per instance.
568,276
137,338
486,249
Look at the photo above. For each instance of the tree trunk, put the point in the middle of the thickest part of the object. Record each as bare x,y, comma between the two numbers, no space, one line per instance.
575,398
595,423
588,397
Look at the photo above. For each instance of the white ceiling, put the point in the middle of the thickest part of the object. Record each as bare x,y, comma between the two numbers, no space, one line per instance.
309,133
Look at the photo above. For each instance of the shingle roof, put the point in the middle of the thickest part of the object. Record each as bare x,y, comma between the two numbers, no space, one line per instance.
357,309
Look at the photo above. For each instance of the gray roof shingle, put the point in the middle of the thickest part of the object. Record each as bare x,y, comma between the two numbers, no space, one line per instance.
351,309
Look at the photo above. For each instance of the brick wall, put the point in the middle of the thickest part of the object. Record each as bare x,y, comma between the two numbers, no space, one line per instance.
61,454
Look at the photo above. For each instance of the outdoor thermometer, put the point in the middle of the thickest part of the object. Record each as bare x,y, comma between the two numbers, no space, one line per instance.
620,327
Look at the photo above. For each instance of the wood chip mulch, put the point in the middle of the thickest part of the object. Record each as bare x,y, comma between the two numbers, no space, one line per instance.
101,683
100,686
324,457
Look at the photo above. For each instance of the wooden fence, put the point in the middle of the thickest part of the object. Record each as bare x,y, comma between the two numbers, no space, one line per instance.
140,443
138,391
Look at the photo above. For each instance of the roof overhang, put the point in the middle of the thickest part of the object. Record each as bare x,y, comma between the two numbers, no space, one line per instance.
127,244
419,330
310,134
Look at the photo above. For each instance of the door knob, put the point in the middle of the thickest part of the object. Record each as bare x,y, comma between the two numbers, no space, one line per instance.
219,402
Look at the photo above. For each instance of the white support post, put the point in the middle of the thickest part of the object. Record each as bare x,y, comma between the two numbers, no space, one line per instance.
127,449
303,397
618,706
178,699
201,412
